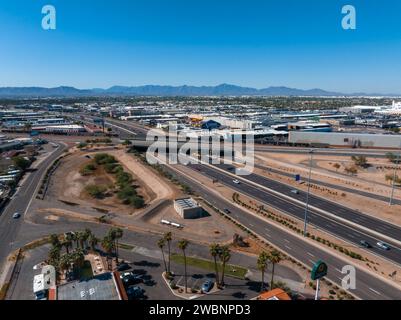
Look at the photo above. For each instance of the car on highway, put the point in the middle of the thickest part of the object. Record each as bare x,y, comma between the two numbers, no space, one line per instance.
365,244
236,181
383,245
207,286
16,215
295,191
135,292
227,211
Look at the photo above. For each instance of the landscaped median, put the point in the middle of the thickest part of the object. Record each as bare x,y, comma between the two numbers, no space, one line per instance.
208,265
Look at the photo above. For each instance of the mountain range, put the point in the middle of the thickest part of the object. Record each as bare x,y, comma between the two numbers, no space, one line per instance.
159,90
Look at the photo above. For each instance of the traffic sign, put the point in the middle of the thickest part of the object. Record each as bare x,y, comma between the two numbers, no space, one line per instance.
319,270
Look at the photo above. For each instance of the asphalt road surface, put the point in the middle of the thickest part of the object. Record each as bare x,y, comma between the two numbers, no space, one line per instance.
367,286
329,225
20,202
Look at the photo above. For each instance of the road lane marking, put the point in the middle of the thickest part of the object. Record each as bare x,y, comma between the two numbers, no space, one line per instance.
268,235
288,247
373,290
287,241
311,261
310,254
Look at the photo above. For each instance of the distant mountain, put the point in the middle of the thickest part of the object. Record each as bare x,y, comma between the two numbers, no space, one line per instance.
157,90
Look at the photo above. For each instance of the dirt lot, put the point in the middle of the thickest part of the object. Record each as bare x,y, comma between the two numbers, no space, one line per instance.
324,171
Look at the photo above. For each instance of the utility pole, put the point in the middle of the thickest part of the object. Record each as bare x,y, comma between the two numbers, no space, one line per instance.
307,195
394,178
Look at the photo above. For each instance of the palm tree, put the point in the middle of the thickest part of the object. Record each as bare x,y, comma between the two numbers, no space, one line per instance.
64,263
108,246
214,250
116,234
168,237
54,240
225,256
80,239
274,257
262,265
67,243
161,243
93,241
86,235
54,255
183,244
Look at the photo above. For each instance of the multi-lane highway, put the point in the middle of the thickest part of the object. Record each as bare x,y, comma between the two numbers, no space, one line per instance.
20,203
341,230
330,185
368,286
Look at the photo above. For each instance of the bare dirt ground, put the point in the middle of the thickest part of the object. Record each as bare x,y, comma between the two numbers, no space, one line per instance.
158,192
324,171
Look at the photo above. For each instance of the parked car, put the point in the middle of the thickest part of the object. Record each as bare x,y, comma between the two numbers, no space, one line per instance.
207,286
135,292
236,181
16,215
365,244
383,245
123,267
132,279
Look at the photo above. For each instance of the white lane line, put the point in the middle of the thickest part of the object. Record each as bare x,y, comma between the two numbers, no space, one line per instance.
350,235
311,261
373,290
267,235
251,225
288,247
286,241
310,254
338,270
267,229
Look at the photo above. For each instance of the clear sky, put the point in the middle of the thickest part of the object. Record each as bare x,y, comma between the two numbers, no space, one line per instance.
296,43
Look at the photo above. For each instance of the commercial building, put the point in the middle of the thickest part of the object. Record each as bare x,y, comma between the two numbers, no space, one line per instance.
43,282
342,139
101,287
188,208
275,294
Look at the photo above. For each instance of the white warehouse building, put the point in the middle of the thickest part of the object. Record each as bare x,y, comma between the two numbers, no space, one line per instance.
346,139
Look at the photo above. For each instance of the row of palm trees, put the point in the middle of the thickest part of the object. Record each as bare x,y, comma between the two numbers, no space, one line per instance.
273,257
182,245
77,243
224,254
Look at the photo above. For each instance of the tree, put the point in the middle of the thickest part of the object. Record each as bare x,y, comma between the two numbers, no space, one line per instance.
168,237
54,240
336,166
214,250
80,239
21,163
351,170
183,244
108,246
392,158
262,265
93,241
54,256
115,234
161,243
127,143
225,256
360,161
274,258
96,191
67,243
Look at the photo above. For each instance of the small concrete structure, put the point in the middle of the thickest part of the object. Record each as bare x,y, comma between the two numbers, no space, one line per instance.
188,208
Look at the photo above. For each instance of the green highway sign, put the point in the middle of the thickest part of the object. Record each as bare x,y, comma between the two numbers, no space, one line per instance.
319,270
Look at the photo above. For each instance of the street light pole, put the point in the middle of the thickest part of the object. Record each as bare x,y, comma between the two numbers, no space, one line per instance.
307,195
394,178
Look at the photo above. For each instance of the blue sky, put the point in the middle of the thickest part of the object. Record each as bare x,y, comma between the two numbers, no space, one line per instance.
202,42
